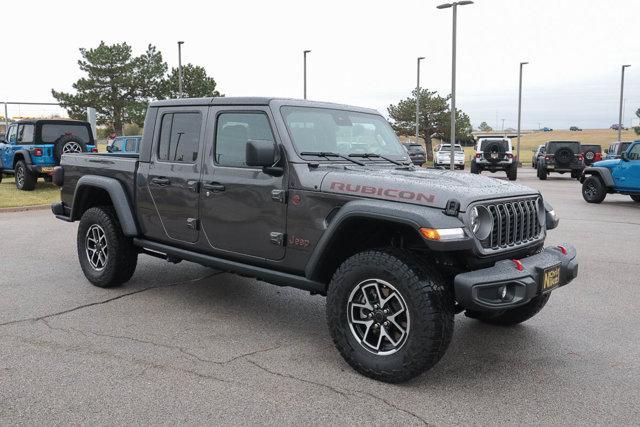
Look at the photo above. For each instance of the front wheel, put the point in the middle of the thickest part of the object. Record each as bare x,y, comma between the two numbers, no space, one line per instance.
542,173
593,190
107,257
389,314
636,198
512,316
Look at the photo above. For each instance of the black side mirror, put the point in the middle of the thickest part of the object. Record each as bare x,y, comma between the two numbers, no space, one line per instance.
260,153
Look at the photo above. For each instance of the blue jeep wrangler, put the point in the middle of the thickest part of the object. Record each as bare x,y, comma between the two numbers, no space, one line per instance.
613,176
32,148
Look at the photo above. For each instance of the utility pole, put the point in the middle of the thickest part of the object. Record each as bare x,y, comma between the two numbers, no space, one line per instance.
621,101
420,58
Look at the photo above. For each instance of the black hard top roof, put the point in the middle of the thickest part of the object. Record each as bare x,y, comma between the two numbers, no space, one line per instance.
34,121
241,100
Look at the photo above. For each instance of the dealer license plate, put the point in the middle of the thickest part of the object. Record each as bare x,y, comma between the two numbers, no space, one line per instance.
551,278
46,169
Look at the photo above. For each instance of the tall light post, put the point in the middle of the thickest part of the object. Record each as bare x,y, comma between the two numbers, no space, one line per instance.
453,5
180,43
519,113
420,58
305,72
621,101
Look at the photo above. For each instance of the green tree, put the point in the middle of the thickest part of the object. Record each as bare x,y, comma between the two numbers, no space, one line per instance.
196,83
637,128
116,84
484,127
434,118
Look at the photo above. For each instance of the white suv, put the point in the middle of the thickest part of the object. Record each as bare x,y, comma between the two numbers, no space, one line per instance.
443,156
495,154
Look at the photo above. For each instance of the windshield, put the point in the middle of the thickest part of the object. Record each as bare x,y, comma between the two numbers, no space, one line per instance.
340,131
447,147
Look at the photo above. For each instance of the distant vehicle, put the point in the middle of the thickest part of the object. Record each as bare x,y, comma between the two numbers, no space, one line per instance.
616,149
125,144
561,157
616,126
591,153
621,175
536,155
495,154
546,129
575,129
416,153
33,147
443,156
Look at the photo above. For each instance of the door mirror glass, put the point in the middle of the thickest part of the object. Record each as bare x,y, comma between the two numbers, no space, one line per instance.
260,153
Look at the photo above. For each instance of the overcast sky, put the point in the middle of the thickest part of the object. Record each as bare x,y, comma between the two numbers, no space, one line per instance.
363,52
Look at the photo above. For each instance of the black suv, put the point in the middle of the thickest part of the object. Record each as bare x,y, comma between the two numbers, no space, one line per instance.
416,153
561,157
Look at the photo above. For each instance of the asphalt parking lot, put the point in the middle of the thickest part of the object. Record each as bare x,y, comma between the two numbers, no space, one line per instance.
186,344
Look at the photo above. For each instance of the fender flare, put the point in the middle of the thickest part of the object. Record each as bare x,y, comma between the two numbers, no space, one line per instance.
26,155
118,196
413,216
603,173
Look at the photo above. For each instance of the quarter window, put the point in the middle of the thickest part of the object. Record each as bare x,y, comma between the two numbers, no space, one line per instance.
180,137
233,132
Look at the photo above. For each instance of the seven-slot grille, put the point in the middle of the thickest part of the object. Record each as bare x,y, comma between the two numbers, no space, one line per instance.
514,223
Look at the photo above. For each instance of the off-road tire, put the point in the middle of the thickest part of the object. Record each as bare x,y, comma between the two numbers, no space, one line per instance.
512,316
122,255
512,172
0,177
576,175
25,180
429,302
60,143
475,169
636,198
593,190
542,173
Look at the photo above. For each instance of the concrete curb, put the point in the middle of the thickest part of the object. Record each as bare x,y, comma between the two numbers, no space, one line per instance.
25,208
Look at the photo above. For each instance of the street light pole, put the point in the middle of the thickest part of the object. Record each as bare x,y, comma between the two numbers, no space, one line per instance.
305,73
420,58
519,113
621,101
180,43
453,5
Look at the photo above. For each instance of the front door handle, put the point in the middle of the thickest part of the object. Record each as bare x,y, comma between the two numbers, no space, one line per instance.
163,182
216,187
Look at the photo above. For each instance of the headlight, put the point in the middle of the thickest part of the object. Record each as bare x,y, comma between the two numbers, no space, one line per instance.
473,216
481,222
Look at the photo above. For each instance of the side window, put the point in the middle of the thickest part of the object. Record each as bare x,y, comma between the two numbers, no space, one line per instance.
180,137
634,153
25,134
13,134
232,133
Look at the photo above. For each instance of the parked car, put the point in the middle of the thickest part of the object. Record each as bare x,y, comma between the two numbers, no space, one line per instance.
416,153
561,157
443,156
616,149
546,129
591,153
493,155
536,155
32,148
575,129
620,176
397,250
616,126
125,144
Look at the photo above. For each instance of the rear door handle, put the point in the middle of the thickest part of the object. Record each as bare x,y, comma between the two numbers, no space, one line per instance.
216,187
163,182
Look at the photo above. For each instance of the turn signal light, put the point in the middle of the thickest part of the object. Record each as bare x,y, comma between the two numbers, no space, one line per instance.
430,233
442,234
580,157
518,264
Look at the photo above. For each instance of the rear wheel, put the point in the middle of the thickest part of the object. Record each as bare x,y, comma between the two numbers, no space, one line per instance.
389,314
512,316
475,168
542,172
636,198
107,257
512,172
593,190
25,180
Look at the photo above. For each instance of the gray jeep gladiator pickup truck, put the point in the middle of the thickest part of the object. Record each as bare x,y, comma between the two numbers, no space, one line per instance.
324,198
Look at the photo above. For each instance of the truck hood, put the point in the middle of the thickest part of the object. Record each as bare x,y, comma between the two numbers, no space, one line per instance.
608,163
427,187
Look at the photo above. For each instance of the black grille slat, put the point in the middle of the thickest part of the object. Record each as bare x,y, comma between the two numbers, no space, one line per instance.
514,223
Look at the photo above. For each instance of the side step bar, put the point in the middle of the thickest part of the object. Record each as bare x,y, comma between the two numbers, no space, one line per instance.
267,275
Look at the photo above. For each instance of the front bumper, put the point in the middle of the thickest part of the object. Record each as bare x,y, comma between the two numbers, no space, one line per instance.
481,290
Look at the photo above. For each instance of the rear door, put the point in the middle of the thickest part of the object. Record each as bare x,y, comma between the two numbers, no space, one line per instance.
174,172
242,208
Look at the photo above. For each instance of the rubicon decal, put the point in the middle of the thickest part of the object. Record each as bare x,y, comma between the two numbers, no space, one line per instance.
387,193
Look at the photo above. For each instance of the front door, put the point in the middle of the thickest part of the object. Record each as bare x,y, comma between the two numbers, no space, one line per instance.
8,148
242,208
627,176
174,172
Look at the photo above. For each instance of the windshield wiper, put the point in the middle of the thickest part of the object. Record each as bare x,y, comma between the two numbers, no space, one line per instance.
329,154
376,156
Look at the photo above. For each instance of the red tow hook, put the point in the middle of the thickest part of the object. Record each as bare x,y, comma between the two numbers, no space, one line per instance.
518,264
562,249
